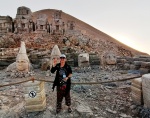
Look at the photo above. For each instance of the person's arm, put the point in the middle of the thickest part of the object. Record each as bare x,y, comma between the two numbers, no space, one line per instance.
70,74
53,69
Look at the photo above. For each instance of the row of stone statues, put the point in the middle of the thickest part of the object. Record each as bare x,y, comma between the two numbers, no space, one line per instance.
24,23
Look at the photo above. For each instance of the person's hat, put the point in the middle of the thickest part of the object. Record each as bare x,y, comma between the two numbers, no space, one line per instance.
63,55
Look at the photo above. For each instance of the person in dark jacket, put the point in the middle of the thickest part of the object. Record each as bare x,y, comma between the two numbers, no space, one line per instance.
62,81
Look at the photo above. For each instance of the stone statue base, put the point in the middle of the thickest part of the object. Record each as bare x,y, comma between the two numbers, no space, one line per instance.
34,96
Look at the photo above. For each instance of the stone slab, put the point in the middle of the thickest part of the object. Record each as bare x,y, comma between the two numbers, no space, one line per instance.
136,90
38,88
38,107
38,96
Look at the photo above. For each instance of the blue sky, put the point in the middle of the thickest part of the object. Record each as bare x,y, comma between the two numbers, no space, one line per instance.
126,20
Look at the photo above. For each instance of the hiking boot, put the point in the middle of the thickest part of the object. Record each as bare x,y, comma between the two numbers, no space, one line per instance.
69,110
58,111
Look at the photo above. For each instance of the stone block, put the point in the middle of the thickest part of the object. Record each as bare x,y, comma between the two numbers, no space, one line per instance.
35,98
145,65
146,90
137,82
37,107
136,91
137,99
137,63
126,66
144,70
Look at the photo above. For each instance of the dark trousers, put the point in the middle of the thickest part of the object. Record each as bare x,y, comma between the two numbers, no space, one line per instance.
60,94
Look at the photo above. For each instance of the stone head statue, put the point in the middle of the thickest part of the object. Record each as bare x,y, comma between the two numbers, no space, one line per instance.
22,60
55,54
110,58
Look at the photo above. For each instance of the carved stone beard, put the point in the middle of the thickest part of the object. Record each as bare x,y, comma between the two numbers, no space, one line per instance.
22,65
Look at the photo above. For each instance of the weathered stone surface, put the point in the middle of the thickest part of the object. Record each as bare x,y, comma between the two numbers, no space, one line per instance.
45,64
137,83
35,96
146,89
83,60
145,65
94,59
144,70
137,63
11,67
110,58
84,110
5,25
136,91
126,66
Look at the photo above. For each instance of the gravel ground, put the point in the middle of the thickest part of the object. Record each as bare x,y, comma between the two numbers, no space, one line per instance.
110,100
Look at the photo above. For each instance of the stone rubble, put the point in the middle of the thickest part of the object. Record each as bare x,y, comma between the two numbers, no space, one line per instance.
105,60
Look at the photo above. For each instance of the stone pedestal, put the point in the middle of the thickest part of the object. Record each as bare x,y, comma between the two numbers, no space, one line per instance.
34,96
146,90
136,91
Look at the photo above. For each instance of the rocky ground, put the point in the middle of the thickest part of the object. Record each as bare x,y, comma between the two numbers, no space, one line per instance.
109,100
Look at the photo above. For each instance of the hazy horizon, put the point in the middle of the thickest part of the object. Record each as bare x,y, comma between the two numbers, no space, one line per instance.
128,21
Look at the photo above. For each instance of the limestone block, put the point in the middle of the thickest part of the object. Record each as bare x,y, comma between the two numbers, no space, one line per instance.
137,83
146,90
94,59
132,67
136,91
137,63
146,81
126,66
37,107
137,86
144,70
84,110
36,85
34,96
38,99
137,99
121,60
145,65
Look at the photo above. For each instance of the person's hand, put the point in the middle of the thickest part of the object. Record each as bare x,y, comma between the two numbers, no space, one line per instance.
54,62
65,79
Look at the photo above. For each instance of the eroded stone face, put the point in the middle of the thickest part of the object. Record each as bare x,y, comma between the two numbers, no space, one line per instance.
83,60
111,59
22,65
22,61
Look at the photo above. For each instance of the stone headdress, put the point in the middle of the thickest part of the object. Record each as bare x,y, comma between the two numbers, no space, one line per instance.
55,52
22,55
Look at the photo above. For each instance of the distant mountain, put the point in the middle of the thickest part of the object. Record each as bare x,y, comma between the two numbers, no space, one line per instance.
103,41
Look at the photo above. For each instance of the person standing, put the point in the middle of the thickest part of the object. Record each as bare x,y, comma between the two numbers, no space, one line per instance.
63,82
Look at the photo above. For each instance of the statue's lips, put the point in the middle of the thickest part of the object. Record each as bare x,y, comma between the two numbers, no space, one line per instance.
20,68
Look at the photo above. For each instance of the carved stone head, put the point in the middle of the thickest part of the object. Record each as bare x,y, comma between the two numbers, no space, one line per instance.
55,54
22,60
110,58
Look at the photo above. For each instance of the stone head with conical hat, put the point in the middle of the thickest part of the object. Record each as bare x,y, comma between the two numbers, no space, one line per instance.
22,60
55,54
